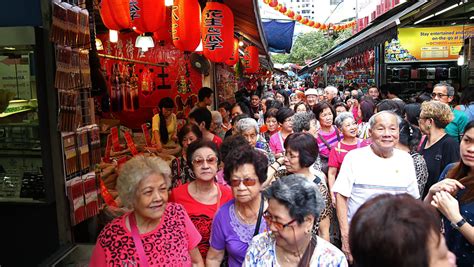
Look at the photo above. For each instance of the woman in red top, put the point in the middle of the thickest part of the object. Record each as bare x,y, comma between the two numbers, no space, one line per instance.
348,126
202,197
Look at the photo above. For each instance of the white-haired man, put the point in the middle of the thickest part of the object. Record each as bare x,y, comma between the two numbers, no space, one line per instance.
330,94
373,170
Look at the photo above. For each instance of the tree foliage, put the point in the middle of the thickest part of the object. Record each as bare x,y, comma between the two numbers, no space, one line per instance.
311,45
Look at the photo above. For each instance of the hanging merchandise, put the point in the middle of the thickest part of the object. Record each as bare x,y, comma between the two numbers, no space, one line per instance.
186,24
251,63
147,15
217,32
235,54
116,14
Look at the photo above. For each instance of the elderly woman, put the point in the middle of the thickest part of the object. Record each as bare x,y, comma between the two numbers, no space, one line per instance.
180,171
216,124
155,232
348,127
438,148
271,124
283,116
202,197
248,128
454,198
328,134
410,137
164,124
294,206
240,219
411,235
301,107
366,110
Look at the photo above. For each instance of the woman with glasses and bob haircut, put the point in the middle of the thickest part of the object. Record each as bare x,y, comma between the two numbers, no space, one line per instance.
294,204
203,196
240,219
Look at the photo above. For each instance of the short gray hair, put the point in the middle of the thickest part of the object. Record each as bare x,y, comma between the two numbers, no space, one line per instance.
342,117
216,118
246,124
331,88
300,196
449,87
301,121
135,170
372,119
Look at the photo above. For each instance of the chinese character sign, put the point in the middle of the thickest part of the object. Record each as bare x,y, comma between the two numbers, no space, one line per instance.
217,25
186,24
251,63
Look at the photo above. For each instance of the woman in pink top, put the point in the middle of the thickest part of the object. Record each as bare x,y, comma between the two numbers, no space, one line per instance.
155,232
328,134
348,126
283,116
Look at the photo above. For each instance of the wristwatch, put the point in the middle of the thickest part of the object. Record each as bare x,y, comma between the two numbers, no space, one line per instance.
458,224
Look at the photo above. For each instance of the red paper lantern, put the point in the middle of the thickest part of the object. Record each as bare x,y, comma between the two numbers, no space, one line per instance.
283,9
147,15
164,33
234,58
115,14
273,3
251,63
317,25
290,14
298,17
278,7
217,31
304,20
186,24
311,23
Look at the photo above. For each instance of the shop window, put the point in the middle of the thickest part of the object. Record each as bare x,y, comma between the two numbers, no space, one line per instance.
21,177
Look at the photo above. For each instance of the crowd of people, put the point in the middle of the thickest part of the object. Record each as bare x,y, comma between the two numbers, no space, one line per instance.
312,177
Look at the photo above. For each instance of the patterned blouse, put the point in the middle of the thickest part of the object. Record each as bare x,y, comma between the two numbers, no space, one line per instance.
262,252
421,170
180,172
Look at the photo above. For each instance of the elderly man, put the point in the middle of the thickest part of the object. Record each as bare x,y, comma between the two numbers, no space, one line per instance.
373,170
330,94
444,93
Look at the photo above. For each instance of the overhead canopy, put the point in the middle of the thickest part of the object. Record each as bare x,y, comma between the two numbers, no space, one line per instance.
380,30
279,35
247,23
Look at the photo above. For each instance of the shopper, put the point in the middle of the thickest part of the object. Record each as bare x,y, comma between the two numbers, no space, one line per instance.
467,103
204,98
438,148
248,128
271,124
180,171
224,109
311,97
294,205
202,117
453,196
398,231
152,223
240,219
202,197
328,134
284,118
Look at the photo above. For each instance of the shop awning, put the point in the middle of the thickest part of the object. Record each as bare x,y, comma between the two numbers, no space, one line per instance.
248,23
380,30
279,35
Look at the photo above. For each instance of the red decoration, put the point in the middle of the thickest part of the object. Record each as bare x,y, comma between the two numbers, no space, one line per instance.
186,24
217,31
147,15
115,14
283,9
304,21
290,13
251,62
235,54
311,23
317,25
164,33
298,17
273,3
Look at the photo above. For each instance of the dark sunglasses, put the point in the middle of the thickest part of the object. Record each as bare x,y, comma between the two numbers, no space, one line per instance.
200,161
246,181
279,226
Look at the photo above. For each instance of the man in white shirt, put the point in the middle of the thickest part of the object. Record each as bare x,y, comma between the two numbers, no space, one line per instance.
373,170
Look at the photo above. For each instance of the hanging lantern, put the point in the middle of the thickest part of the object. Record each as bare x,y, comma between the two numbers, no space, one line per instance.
235,54
186,20
115,14
273,3
298,17
283,9
278,7
317,25
304,21
217,32
147,15
251,63
164,33
290,13
311,23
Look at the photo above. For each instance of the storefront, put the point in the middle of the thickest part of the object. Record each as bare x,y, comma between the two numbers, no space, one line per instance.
69,95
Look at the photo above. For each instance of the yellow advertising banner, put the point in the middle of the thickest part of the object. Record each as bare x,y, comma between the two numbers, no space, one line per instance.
436,43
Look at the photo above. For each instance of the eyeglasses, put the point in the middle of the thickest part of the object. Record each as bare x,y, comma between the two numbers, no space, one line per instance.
439,95
279,226
247,182
200,161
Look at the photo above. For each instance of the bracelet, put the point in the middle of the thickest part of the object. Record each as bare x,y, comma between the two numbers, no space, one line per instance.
279,164
273,168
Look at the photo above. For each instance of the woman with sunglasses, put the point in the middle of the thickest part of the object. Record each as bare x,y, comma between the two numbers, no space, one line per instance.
235,224
202,197
294,205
